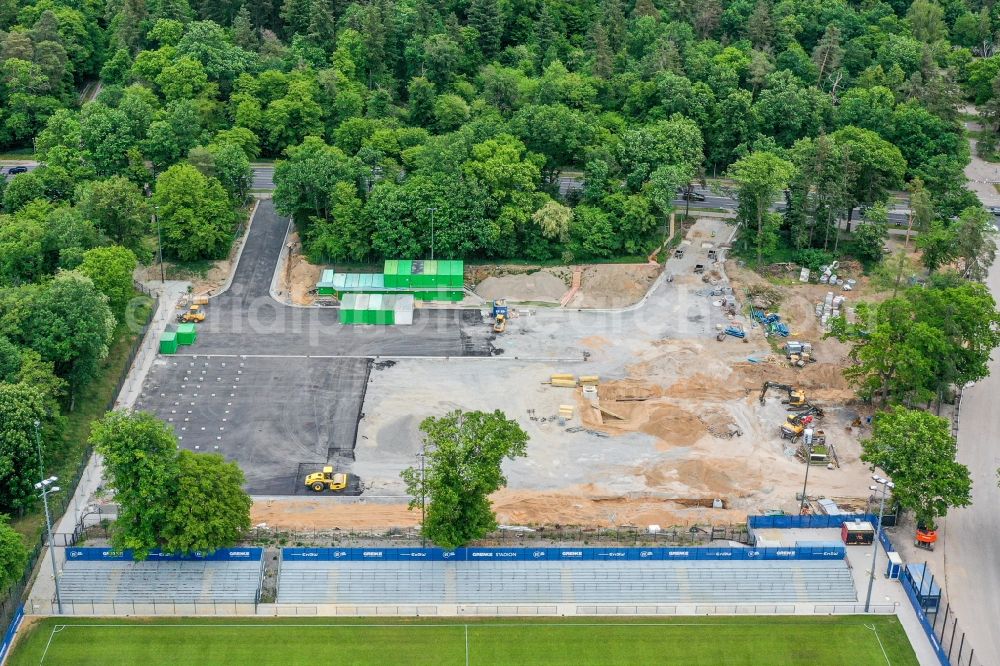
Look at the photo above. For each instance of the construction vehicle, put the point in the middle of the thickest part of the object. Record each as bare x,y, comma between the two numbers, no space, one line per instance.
326,480
795,423
193,315
499,314
796,399
925,538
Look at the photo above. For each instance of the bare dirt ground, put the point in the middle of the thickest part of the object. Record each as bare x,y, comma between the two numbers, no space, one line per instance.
675,426
602,285
297,276
204,283
613,285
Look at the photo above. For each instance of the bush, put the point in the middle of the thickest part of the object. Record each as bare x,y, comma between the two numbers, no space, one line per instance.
813,259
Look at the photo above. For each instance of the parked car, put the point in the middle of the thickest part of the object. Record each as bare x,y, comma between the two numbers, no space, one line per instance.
690,195
995,210
14,170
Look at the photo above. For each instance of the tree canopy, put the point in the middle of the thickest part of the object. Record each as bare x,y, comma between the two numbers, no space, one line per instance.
177,501
917,451
464,453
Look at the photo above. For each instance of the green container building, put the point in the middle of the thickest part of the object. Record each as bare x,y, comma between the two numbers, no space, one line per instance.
186,334
168,342
377,309
428,280
325,286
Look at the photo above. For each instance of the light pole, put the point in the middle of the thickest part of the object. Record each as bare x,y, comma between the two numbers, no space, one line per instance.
159,244
38,446
883,486
45,488
807,443
431,209
423,495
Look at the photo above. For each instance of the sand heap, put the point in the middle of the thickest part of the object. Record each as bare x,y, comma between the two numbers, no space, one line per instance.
540,286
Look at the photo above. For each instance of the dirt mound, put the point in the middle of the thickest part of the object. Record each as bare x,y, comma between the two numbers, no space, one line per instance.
613,285
628,390
707,387
538,286
674,426
815,376
298,276
580,506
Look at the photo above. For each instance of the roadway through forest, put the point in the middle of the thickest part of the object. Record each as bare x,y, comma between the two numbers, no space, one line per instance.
972,540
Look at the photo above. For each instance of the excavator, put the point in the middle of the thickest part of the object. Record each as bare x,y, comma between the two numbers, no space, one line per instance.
796,399
795,423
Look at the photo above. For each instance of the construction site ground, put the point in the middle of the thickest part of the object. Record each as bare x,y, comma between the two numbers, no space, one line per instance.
661,448
600,285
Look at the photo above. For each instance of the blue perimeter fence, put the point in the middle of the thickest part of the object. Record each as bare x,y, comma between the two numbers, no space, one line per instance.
8,637
922,604
814,522
830,552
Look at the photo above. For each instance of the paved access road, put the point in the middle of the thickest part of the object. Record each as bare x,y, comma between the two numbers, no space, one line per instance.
279,389
972,541
246,320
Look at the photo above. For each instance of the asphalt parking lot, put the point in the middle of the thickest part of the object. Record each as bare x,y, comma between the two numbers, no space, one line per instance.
279,389
279,418
244,319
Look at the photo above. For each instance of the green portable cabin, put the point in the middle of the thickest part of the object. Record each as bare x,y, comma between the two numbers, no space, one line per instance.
377,309
390,272
168,342
358,283
186,334
348,309
452,273
326,285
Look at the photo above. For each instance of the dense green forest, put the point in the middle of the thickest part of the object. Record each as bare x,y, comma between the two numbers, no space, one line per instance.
384,114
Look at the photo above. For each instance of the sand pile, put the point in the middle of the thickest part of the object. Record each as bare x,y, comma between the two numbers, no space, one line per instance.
701,386
540,286
297,276
613,285
628,390
582,506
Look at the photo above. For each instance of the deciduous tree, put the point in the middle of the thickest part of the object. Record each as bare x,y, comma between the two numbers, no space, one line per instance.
917,451
110,268
464,454
117,207
194,213
210,509
13,555
20,407
760,177
70,325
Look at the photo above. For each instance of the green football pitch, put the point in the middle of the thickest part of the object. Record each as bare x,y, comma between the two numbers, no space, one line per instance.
817,641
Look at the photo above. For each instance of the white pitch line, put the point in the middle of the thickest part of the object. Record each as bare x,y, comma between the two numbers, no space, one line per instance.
55,630
879,644
466,644
526,623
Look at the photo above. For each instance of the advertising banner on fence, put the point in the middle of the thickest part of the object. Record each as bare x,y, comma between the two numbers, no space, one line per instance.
830,552
221,555
818,521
